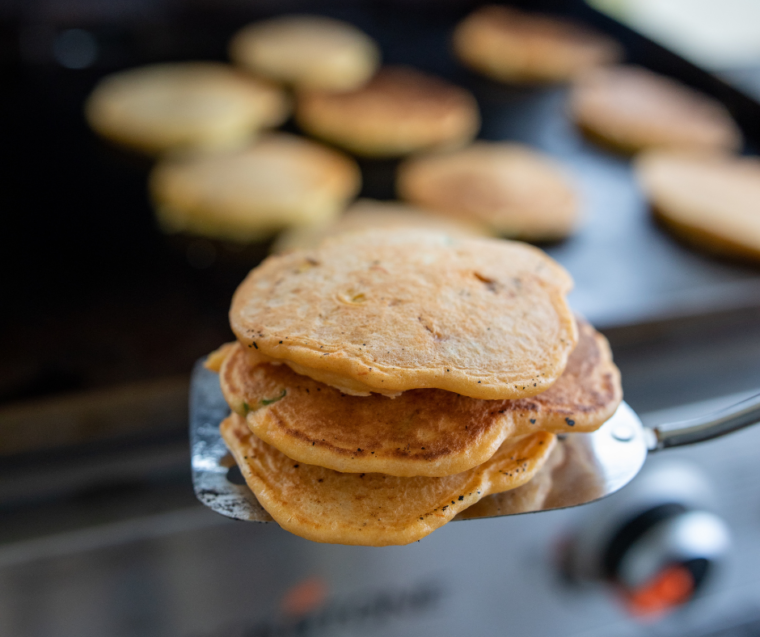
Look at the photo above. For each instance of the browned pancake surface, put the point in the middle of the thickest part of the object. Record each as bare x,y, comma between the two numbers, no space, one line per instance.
517,46
632,109
712,202
372,509
401,110
515,190
425,432
390,310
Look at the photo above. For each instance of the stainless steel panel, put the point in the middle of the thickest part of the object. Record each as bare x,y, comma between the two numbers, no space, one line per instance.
195,573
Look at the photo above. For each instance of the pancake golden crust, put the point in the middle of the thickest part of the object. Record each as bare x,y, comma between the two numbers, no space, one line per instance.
399,111
250,193
307,52
183,105
388,311
712,202
583,399
368,213
531,496
632,109
514,46
424,432
515,190
372,509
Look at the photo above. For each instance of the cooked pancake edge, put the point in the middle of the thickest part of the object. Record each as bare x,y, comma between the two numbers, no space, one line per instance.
372,509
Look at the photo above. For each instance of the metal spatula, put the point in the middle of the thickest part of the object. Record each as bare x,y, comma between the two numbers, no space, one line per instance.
595,464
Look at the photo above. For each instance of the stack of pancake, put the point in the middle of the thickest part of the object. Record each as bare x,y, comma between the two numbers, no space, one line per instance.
384,381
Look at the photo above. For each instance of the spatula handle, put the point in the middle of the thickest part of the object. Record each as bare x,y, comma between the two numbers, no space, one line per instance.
725,421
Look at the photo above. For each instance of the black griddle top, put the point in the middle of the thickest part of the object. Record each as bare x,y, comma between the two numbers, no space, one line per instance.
94,295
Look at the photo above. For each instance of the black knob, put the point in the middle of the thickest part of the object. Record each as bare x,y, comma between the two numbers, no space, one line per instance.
661,557
656,542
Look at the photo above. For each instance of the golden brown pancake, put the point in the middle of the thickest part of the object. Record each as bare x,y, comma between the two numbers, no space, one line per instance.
372,509
632,109
423,432
250,193
399,111
387,311
184,105
531,496
365,214
307,52
510,45
712,202
516,191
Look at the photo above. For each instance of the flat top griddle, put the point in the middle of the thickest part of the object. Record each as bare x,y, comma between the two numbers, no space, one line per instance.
95,296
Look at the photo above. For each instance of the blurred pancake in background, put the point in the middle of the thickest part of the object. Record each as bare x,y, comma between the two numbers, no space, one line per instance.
365,214
373,509
630,109
250,193
197,105
400,111
510,45
307,52
710,201
516,191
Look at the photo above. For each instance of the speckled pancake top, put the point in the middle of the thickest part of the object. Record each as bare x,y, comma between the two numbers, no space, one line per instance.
389,310
428,432
373,509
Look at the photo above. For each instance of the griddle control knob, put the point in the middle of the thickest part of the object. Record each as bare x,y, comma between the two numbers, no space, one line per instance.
661,557
656,542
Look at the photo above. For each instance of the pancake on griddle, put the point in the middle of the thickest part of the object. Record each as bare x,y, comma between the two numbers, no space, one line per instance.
387,311
710,201
372,509
510,45
515,190
424,432
250,193
370,213
198,105
633,109
399,111
307,52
